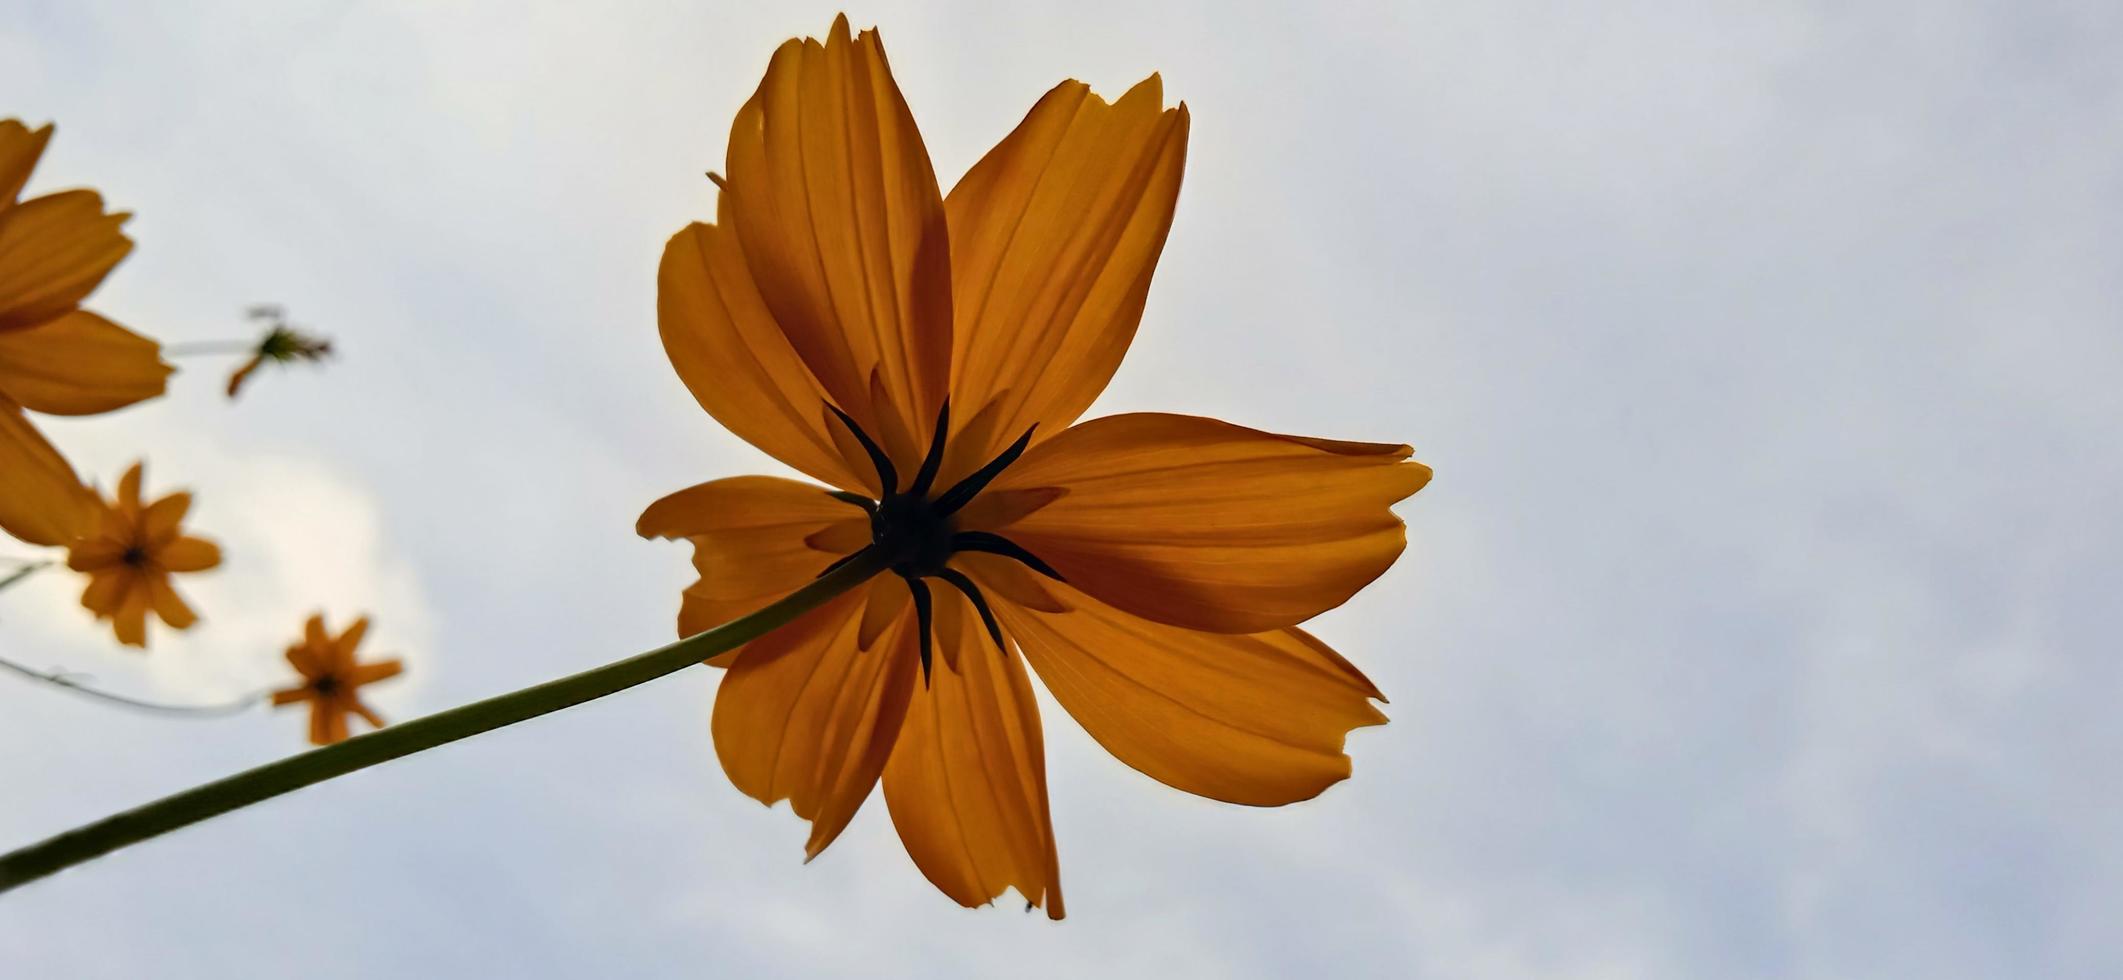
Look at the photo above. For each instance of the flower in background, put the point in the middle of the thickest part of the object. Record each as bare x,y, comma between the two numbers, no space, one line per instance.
55,357
926,356
130,556
282,344
332,678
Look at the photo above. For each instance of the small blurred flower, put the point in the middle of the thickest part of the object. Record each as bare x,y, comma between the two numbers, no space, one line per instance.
55,357
331,678
130,556
282,344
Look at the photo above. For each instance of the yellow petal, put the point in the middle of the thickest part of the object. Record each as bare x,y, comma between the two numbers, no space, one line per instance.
351,639
80,364
748,537
1054,235
967,783
130,621
314,635
105,590
94,554
368,715
831,194
1211,526
42,502
806,715
731,354
54,250
189,554
129,489
159,521
291,695
322,713
885,600
1256,719
20,146
168,604
370,673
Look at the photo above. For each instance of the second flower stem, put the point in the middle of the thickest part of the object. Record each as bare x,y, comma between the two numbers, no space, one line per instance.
317,765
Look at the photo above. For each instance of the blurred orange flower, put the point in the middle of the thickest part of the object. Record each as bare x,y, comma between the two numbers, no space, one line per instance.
926,355
129,558
54,356
331,679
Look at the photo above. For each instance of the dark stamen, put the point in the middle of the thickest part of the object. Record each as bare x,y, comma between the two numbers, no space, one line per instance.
980,602
935,460
885,472
996,544
923,620
134,555
963,493
868,506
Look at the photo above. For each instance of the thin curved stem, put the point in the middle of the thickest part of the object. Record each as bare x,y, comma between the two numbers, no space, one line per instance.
317,765
209,347
58,679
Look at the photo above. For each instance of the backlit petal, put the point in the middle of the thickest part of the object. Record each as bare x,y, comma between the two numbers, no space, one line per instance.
130,621
748,537
189,554
731,354
20,146
370,673
831,193
42,502
54,250
1258,719
158,523
1054,235
1212,526
967,784
105,590
168,604
79,364
805,715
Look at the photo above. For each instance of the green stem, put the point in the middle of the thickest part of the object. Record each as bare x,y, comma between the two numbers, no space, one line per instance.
317,765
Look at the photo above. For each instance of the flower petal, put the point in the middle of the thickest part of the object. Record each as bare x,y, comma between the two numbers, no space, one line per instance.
159,522
1054,236
1257,719
1212,526
749,546
130,621
831,193
54,250
80,364
805,715
290,695
168,604
967,782
105,590
189,554
20,146
42,502
731,354
370,673
351,639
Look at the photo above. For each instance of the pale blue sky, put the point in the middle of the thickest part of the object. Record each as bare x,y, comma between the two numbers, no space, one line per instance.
1760,622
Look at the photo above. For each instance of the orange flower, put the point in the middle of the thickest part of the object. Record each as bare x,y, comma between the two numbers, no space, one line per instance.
129,558
926,356
331,679
55,357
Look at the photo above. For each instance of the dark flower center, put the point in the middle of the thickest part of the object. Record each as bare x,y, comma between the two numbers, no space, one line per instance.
915,531
135,556
325,685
